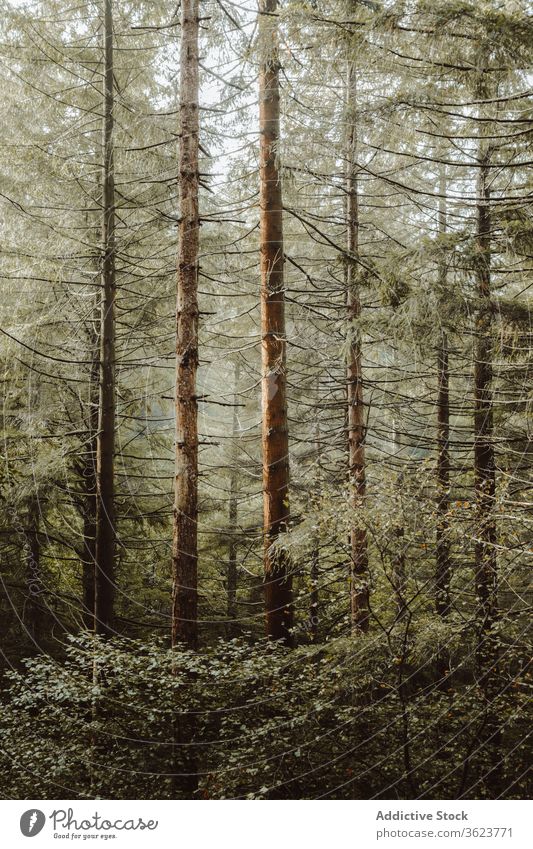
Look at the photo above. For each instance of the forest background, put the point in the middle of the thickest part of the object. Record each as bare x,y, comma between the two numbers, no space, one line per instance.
269,538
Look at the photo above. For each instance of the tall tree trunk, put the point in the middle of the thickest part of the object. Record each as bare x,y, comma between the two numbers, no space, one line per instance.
486,566
314,576
88,475
356,417
484,467
105,453
443,564
275,440
89,532
185,538
399,574
233,513
184,624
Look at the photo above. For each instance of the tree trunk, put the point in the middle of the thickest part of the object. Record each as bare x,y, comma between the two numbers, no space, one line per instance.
275,439
88,476
184,624
399,573
34,616
105,454
356,417
399,576
185,538
89,534
443,564
314,576
314,598
484,468
233,514
486,567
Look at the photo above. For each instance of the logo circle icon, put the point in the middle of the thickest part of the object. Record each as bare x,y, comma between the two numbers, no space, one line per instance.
32,822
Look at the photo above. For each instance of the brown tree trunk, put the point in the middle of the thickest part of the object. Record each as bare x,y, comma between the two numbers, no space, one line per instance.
185,537
184,624
356,416
275,441
105,454
443,564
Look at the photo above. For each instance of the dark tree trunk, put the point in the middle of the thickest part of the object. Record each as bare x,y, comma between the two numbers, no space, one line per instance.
356,414
89,540
399,573
484,467
275,440
185,537
33,619
443,563
233,514
486,566
314,575
88,476
314,598
105,453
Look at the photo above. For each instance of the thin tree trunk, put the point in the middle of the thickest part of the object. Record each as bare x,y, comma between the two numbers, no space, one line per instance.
314,598
34,617
399,574
314,575
89,536
275,440
105,454
233,514
185,538
486,566
484,467
88,475
356,417
443,563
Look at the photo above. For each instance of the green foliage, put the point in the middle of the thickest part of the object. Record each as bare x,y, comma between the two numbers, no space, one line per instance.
339,721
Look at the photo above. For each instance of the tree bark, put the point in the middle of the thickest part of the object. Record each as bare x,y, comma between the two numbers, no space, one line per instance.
105,454
314,598
233,514
356,418
184,623
486,566
185,536
442,550
484,466
89,503
399,572
34,617
89,532
314,576
275,438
